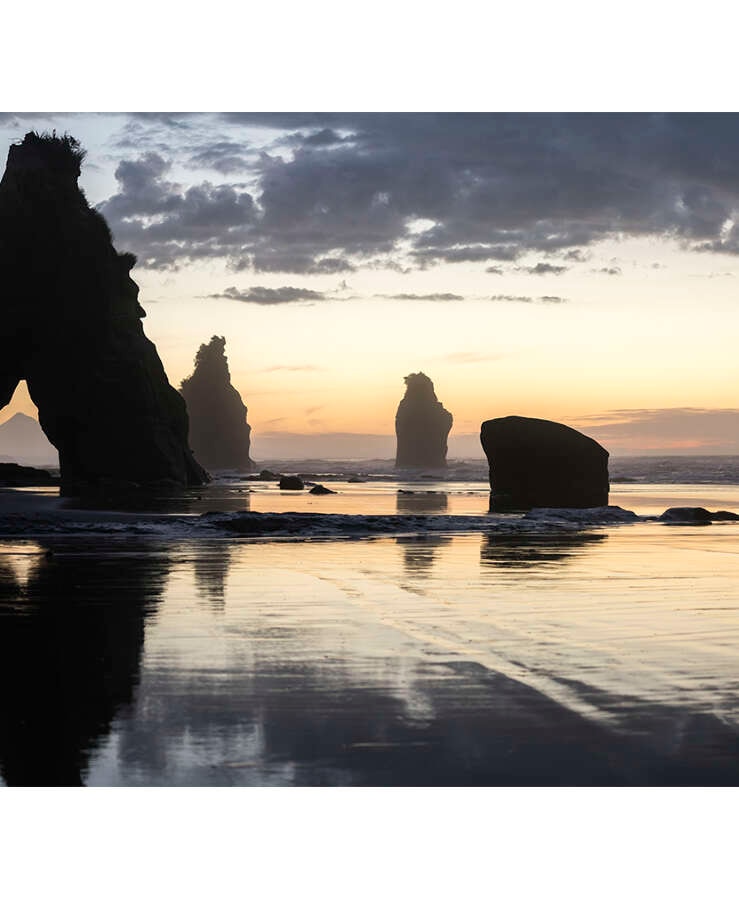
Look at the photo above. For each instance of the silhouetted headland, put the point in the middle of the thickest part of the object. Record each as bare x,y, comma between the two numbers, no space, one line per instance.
219,433
534,462
422,425
70,326
13,475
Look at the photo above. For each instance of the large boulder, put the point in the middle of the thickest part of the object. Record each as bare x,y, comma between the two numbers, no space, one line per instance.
422,425
219,433
534,462
70,326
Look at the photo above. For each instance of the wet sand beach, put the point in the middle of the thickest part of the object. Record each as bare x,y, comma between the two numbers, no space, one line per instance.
601,656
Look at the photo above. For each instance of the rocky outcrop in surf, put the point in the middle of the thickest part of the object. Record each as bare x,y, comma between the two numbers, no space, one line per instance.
70,326
219,433
538,463
422,425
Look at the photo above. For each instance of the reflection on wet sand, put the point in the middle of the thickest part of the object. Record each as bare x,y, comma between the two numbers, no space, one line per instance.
215,497
419,503
211,564
71,635
325,665
419,551
523,551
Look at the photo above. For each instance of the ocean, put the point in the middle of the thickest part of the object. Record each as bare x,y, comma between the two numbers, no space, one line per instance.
390,634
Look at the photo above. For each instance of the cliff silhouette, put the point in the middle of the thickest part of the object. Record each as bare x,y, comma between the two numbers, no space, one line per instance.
70,326
219,433
422,425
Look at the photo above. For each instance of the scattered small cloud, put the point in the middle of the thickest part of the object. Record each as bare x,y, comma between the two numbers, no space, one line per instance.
577,256
607,270
494,270
514,298
265,296
542,268
431,297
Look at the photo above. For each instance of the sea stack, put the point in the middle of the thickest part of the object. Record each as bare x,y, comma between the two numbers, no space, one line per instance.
70,326
219,434
534,462
422,425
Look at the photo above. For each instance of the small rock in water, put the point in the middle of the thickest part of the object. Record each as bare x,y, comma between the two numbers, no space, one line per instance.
686,515
320,489
291,483
724,516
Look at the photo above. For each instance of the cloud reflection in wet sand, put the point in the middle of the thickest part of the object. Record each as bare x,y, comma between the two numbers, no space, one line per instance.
398,662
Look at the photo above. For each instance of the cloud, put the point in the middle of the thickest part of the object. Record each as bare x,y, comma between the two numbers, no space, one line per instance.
681,429
516,298
431,297
332,192
607,270
269,296
543,268
494,270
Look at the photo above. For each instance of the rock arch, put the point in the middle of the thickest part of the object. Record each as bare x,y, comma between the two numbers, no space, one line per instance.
70,326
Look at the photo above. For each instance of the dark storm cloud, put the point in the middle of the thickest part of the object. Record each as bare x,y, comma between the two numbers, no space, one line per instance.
164,223
269,296
226,157
338,191
542,268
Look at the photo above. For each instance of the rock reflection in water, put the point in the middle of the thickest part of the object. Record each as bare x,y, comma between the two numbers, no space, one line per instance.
420,503
512,551
212,562
71,638
419,551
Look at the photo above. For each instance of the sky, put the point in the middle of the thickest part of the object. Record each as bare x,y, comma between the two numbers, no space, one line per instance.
579,267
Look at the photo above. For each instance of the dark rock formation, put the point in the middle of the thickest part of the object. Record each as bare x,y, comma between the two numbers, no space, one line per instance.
264,475
320,490
695,515
70,326
422,425
291,483
219,434
13,475
686,515
534,462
